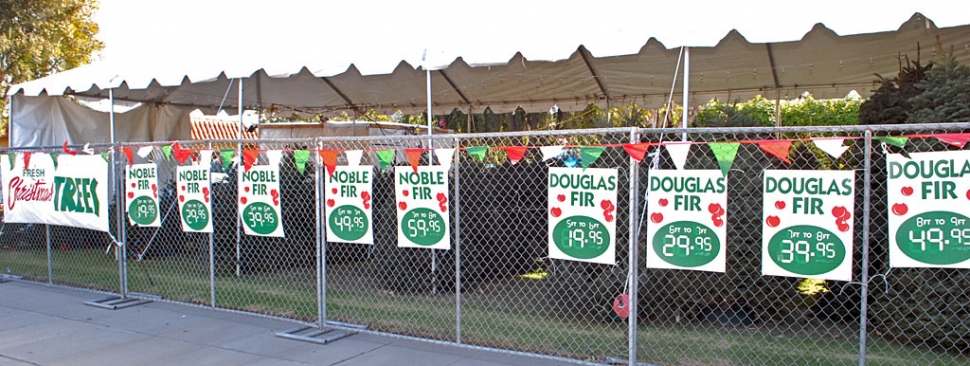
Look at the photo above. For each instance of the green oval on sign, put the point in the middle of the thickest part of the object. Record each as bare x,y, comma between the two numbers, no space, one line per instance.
423,226
348,222
936,237
806,250
195,214
261,218
581,237
682,244
143,210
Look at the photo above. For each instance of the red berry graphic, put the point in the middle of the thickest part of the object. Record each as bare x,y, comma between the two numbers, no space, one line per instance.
441,197
656,217
780,205
443,207
718,222
246,189
205,190
662,202
330,202
968,194
243,200
773,221
906,191
131,195
405,193
555,211
608,217
714,208
562,197
839,212
274,193
900,209
605,204
402,205
843,227
132,185
181,198
333,190
183,188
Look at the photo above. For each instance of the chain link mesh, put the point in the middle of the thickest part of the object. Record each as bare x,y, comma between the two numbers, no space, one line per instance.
512,296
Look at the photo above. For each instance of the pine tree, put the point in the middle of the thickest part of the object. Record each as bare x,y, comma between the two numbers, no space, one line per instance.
946,93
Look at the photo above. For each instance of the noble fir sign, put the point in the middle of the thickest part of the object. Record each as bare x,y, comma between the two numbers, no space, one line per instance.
422,207
348,198
259,201
929,209
141,199
686,220
582,214
194,198
807,223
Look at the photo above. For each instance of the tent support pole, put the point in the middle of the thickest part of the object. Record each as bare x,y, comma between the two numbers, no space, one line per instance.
122,251
778,107
686,89
240,166
434,257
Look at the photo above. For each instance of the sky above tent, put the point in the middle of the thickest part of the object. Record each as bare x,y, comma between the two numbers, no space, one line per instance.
376,35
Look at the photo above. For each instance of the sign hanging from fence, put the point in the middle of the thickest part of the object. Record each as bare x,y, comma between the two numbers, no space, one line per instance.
422,207
679,233
28,191
929,209
194,198
259,201
141,197
807,230
348,197
582,214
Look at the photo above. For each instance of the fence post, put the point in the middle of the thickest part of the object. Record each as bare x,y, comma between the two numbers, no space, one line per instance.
212,245
456,167
321,241
634,273
122,248
50,263
864,280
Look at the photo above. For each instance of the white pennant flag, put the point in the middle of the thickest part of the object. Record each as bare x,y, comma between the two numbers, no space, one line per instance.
445,156
831,146
353,157
205,158
678,153
274,157
549,152
144,151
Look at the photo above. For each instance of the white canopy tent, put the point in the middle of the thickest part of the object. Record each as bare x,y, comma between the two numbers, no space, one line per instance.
822,63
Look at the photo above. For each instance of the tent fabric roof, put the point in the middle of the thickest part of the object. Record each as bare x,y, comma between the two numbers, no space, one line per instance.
822,63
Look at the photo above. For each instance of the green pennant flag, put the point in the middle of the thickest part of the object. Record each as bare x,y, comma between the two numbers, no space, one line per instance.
301,157
12,156
54,158
589,154
226,156
894,141
477,152
167,151
725,152
386,157
104,155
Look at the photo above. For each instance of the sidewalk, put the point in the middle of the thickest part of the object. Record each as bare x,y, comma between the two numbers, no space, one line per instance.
42,325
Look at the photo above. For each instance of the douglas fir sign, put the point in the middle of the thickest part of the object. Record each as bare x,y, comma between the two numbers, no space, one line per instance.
422,207
929,209
808,224
348,205
194,198
680,235
141,199
259,201
582,214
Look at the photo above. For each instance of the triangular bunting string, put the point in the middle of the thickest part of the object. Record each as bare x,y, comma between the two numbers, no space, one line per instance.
249,158
167,152
385,157
678,153
104,155
955,139
205,158
353,157
515,153
68,151
899,142
226,156
144,151
300,157
445,157
54,158
777,148
12,158
637,151
477,152
129,155
414,157
329,160
26,160
833,147
274,157
181,155
725,152
549,152
589,154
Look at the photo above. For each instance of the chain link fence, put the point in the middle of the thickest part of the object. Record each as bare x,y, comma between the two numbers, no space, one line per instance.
497,287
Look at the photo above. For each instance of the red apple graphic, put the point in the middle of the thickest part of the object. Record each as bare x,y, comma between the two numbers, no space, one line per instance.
243,200
906,191
405,193
333,190
772,221
555,211
900,209
330,202
780,205
561,198
131,195
403,205
656,217
662,202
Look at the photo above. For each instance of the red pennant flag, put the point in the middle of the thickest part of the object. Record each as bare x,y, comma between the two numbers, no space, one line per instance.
27,160
180,154
515,153
128,154
955,139
249,157
68,151
329,160
637,151
777,148
414,157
